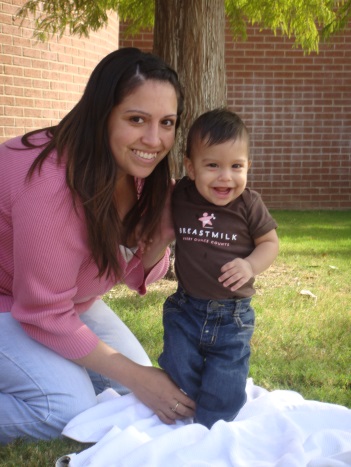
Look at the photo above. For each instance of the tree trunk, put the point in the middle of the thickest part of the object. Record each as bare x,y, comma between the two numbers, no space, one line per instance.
190,35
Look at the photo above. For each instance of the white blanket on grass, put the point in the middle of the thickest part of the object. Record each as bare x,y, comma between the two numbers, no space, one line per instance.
273,429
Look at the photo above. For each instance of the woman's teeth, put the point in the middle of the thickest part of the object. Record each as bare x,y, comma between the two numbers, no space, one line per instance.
146,155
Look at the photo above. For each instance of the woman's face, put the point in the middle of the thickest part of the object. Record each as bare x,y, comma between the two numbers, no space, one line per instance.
141,128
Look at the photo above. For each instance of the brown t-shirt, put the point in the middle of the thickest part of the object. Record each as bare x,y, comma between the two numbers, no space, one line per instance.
208,236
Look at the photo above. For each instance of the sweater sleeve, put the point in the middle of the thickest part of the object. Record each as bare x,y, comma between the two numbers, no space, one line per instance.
49,245
135,278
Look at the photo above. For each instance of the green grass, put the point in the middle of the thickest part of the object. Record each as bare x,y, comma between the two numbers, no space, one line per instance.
301,342
40,454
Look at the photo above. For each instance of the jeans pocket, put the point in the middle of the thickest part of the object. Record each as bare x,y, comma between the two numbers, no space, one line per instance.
174,302
171,307
244,316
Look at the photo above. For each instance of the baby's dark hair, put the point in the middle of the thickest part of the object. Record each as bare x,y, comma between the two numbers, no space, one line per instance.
216,127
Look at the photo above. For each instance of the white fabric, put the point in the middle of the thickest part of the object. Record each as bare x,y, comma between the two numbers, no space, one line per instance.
273,429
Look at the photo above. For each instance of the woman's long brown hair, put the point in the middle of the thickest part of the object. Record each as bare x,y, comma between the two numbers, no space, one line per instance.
81,140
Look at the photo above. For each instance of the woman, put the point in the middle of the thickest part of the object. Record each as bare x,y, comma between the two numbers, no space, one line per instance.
83,206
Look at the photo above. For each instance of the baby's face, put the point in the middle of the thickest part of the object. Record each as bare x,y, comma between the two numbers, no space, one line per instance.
219,171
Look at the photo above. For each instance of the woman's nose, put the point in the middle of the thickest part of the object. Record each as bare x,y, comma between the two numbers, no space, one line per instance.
151,136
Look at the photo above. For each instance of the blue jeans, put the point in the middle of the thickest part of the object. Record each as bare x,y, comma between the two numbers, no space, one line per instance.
206,352
40,391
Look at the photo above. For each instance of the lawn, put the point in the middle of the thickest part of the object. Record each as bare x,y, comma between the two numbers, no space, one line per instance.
303,320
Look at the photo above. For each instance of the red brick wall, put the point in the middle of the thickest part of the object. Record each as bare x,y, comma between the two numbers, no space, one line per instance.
297,107
41,82
298,110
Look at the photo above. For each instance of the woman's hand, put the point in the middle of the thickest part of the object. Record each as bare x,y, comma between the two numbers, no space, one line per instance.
159,393
150,385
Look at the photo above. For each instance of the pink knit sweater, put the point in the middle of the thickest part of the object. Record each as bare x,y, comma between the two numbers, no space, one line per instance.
47,277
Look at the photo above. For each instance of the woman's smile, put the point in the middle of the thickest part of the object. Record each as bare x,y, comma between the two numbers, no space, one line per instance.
150,156
142,128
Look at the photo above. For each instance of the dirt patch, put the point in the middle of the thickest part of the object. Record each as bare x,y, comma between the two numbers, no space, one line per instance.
163,286
275,276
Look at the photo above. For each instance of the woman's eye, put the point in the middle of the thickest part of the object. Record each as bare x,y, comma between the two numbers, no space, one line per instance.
136,119
168,122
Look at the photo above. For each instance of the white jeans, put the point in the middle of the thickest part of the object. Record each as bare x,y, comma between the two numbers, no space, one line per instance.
40,391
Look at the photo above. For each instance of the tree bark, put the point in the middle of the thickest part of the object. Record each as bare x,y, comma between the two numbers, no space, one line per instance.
190,36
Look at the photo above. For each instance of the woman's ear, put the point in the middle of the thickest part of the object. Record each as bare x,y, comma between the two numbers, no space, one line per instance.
189,168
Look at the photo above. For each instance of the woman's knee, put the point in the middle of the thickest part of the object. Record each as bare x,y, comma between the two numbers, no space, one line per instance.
64,408
43,417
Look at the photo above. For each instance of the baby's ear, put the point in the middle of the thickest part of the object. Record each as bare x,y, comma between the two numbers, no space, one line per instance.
249,164
189,168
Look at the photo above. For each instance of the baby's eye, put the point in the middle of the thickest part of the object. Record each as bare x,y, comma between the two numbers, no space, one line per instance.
213,165
237,166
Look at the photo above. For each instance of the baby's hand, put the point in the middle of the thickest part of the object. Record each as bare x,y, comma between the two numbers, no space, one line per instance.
236,273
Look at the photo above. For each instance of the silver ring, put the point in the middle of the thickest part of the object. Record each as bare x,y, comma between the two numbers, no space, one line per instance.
175,407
